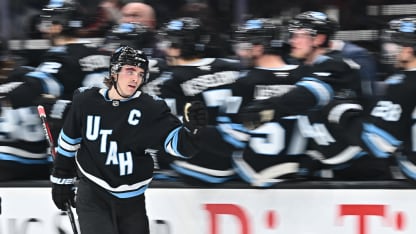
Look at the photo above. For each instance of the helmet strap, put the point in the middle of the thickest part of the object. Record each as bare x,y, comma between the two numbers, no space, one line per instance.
115,87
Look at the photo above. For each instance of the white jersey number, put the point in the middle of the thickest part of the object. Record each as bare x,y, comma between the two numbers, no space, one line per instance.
273,141
387,110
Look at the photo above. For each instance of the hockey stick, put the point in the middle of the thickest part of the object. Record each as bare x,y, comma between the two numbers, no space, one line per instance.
49,138
46,128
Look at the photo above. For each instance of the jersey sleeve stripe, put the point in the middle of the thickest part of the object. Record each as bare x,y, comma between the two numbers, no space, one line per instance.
381,143
336,113
171,143
406,166
322,91
49,84
67,146
69,140
233,133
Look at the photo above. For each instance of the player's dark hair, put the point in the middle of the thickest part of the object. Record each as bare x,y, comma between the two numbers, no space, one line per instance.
262,31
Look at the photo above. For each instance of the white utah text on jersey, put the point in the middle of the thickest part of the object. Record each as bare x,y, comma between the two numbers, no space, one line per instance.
123,159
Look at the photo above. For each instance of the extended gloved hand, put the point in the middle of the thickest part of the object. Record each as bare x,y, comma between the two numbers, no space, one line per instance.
195,116
255,113
63,191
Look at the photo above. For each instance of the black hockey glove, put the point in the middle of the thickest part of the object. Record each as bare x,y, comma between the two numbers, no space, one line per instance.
63,190
195,116
255,114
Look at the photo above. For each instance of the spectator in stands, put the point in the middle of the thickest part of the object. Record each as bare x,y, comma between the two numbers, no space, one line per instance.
102,16
138,12
138,19
360,55
66,66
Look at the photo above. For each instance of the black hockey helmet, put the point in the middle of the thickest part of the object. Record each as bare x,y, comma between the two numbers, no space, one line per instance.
403,31
135,35
314,22
126,55
187,34
261,31
67,13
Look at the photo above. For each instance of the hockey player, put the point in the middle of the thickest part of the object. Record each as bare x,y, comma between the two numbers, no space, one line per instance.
331,81
275,146
104,137
195,77
135,35
388,127
69,64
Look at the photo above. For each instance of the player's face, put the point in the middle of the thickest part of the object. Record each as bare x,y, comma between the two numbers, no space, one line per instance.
302,44
129,79
244,52
137,13
172,54
389,52
49,30
405,57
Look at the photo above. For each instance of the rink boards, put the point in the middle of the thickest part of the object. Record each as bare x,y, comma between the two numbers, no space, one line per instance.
298,208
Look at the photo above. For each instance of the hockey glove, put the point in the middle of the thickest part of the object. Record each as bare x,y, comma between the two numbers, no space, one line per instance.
255,114
63,191
195,116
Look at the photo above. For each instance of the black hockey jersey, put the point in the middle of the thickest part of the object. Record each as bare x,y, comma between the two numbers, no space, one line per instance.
273,146
108,140
62,70
329,144
24,151
327,81
389,128
207,80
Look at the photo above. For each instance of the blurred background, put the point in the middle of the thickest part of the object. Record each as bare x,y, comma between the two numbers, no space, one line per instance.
360,20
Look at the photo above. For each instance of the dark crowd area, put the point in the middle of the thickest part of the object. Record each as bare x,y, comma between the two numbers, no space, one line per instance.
27,77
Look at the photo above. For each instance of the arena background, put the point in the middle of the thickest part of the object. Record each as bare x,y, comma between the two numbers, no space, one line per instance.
360,21
324,207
